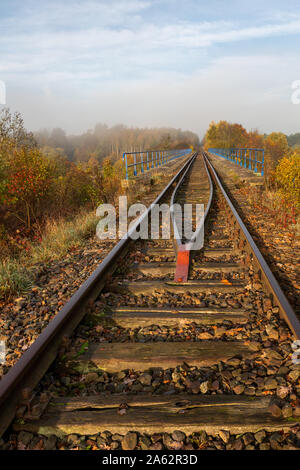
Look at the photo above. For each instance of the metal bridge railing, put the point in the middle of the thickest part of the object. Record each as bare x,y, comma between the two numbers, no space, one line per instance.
250,158
139,162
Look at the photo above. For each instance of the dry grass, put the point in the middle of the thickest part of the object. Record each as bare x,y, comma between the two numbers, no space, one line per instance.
235,177
272,199
17,274
62,235
15,278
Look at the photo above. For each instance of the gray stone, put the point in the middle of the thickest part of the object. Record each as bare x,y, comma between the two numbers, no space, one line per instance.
220,332
176,377
156,437
145,443
239,389
145,379
234,362
178,436
101,442
91,377
219,445
282,392
225,436
204,387
260,436
248,438
287,411
272,332
50,443
270,384
156,446
202,437
167,440
129,441
282,370
65,380
296,412
275,410
294,375
238,445
115,445
265,446
25,437
121,375
275,440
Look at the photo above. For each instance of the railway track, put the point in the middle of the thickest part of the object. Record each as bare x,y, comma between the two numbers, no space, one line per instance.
199,343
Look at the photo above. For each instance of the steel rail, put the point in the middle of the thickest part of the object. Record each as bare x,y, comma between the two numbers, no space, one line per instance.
179,184
286,311
201,224
35,361
196,242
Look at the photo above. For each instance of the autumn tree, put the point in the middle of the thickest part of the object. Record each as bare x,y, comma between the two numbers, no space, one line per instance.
110,142
13,132
255,140
27,180
294,140
276,147
225,135
287,175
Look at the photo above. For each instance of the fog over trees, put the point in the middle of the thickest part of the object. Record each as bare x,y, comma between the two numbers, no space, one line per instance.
104,141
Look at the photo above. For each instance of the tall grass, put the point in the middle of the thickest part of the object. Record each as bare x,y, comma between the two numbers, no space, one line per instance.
62,235
59,236
15,278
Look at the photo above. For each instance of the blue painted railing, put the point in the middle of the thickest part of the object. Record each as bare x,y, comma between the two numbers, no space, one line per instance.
139,162
251,158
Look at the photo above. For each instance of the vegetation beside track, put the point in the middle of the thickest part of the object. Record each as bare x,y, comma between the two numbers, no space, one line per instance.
282,162
48,198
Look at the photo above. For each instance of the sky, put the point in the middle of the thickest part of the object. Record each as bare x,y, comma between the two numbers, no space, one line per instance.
150,63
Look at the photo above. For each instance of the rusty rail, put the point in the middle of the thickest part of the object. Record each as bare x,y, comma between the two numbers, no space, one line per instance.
269,280
30,368
33,364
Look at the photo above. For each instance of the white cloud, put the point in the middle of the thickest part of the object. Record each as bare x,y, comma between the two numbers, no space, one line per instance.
77,63
74,14
119,51
237,88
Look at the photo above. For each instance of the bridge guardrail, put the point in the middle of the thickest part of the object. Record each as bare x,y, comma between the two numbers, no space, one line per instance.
250,158
139,162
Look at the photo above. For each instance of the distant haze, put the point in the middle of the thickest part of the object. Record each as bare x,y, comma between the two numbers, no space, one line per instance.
151,63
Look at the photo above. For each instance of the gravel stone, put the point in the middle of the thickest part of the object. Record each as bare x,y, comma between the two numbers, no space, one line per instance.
225,436
50,443
145,379
260,436
178,436
265,446
275,410
248,438
238,445
145,443
129,441
25,437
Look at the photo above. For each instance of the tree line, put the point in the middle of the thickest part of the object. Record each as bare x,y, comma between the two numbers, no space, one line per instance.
282,154
49,174
110,142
